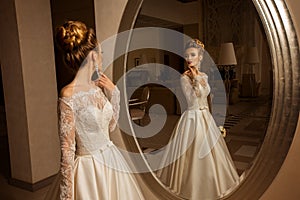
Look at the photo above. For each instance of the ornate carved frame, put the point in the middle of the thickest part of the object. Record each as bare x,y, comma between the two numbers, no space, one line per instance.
284,49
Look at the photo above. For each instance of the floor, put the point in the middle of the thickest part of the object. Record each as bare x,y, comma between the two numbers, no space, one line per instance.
246,125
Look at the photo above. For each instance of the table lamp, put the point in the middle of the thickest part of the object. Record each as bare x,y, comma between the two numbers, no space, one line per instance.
227,61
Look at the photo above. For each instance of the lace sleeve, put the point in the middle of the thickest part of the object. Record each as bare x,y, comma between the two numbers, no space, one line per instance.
190,90
114,98
67,143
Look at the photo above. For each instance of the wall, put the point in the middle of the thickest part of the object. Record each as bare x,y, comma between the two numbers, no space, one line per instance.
108,15
286,183
28,73
175,13
14,98
40,96
192,30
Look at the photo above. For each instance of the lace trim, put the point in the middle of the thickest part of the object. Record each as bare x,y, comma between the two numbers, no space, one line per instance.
69,108
80,100
67,140
201,79
115,102
191,88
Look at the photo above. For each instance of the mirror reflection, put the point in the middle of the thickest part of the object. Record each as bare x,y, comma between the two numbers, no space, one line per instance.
215,146
197,141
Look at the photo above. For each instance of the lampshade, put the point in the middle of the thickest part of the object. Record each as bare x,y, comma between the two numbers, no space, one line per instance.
252,55
227,55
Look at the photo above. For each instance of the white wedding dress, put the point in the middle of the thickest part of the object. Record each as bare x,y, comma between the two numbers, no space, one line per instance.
203,169
92,167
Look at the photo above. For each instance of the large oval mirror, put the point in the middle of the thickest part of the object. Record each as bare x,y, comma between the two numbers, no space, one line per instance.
256,87
248,88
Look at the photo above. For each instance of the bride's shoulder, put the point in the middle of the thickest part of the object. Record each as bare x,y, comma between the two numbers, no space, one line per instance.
66,91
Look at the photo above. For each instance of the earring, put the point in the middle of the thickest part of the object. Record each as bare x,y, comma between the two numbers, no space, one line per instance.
97,69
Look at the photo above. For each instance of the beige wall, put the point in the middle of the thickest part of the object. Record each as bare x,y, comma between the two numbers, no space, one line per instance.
14,98
286,184
39,83
108,15
28,71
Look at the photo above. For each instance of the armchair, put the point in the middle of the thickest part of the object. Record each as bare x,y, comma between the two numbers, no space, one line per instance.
137,107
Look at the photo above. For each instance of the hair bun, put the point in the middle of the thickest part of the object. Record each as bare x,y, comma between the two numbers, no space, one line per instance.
71,35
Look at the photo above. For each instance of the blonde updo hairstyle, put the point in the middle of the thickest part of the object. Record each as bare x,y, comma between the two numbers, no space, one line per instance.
76,41
195,43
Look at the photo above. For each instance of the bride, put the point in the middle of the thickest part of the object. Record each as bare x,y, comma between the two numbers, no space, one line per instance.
204,169
92,167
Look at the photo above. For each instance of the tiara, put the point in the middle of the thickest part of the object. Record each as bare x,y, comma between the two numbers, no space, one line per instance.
194,43
199,43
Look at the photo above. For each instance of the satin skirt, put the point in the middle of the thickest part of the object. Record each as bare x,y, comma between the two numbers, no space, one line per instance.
203,168
95,180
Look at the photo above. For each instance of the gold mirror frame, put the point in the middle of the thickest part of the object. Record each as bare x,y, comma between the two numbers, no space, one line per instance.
284,49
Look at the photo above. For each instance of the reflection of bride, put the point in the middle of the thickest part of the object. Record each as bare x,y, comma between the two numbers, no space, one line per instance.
204,169
92,167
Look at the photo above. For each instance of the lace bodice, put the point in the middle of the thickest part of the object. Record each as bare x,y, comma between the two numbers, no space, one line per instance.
85,120
196,91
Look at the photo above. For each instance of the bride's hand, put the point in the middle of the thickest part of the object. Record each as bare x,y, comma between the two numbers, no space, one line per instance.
105,82
191,72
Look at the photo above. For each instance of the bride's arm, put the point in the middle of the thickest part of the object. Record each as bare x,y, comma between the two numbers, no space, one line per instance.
190,87
113,95
67,143
114,98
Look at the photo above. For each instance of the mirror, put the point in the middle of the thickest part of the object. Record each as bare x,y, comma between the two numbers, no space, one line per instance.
249,94
257,178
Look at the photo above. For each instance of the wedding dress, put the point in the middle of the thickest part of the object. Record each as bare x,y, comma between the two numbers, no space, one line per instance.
92,167
203,169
